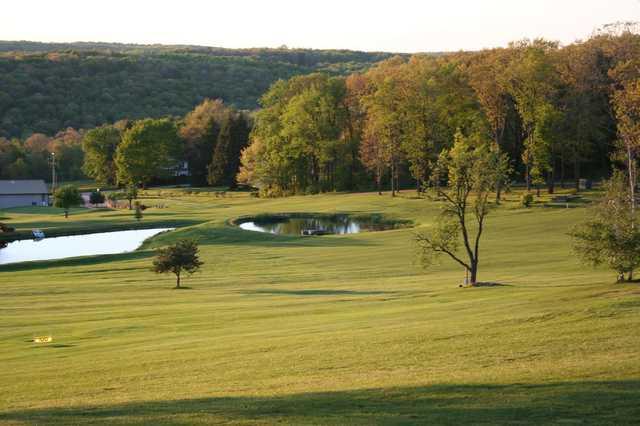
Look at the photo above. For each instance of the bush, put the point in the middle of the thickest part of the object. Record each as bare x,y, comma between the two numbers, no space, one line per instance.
526,199
96,197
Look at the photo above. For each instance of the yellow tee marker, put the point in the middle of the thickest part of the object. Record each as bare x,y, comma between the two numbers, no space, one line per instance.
43,339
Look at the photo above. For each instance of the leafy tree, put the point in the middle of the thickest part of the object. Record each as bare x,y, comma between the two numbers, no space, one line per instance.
200,132
486,77
100,145
178,258
384,114
149,149
626,103
96,197
67,196
471,169
530,80
232,139
610,236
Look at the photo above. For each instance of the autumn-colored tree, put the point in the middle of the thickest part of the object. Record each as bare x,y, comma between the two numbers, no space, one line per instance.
200,133
626,103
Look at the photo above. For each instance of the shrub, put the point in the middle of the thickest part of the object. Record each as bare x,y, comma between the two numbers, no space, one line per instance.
526,199
96,197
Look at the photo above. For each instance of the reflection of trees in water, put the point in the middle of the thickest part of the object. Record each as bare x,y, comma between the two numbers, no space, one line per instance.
330,225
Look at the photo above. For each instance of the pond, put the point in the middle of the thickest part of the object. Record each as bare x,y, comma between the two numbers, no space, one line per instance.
316,224
76,245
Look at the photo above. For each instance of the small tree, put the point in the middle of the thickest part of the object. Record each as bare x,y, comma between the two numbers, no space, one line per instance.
472,170
610,236
131,193
96,197
66,197
178,258
138,211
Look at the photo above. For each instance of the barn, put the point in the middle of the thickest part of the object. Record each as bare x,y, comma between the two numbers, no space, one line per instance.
19,193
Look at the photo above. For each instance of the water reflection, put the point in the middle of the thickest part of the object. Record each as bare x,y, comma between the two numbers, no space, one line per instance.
339,224
76,245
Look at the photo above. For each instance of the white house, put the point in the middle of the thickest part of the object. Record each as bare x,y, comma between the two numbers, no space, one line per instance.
19,193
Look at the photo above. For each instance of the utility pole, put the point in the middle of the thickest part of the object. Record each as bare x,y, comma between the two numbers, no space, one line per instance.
53,173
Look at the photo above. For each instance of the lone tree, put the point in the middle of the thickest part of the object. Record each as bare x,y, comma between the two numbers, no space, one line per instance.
611,235
66,197
96,197
472,169
178,258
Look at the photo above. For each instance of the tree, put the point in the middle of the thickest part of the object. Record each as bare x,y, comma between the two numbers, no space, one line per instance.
486,78
384,111
626,103
471,169
530,79
220,156
200,132
138,211
99,146
610,236
96,197
67,196
149,149
178,258
131,193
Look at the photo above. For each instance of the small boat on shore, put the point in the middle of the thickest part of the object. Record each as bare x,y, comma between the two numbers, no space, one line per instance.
311,232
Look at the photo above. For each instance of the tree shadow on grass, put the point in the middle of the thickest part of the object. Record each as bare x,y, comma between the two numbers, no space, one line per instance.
605,402
76,261
316,292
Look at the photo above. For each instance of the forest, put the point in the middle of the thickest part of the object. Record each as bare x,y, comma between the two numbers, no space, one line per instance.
45,88
550,109
553,110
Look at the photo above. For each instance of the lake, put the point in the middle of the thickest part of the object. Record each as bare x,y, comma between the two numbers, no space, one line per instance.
76,245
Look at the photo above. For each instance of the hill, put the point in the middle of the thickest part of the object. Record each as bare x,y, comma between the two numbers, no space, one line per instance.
45,87
318,330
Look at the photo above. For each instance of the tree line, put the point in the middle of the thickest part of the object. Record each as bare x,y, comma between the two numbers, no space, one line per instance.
132,153
549,108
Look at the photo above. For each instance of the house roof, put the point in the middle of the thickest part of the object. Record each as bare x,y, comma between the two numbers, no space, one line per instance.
14,187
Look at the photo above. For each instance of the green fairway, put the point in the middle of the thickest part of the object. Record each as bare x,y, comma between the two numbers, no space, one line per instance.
317,330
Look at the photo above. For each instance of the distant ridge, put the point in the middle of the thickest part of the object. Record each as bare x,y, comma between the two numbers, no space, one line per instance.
45,87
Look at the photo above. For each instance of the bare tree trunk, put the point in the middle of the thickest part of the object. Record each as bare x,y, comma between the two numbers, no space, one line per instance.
632,181
177,280
562,171
576,173
474,273
393,180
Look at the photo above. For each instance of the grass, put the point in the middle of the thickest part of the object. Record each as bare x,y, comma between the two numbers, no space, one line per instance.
327,330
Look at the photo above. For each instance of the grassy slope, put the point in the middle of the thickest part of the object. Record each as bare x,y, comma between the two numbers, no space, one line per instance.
338,329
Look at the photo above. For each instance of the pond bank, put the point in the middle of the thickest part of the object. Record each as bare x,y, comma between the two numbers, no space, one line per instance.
6,237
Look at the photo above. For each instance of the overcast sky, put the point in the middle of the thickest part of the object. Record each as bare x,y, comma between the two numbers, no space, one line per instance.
391,25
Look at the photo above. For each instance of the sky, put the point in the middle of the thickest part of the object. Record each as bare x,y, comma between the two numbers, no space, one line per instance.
370,25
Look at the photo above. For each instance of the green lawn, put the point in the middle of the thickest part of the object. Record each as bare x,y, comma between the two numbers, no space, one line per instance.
320,330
